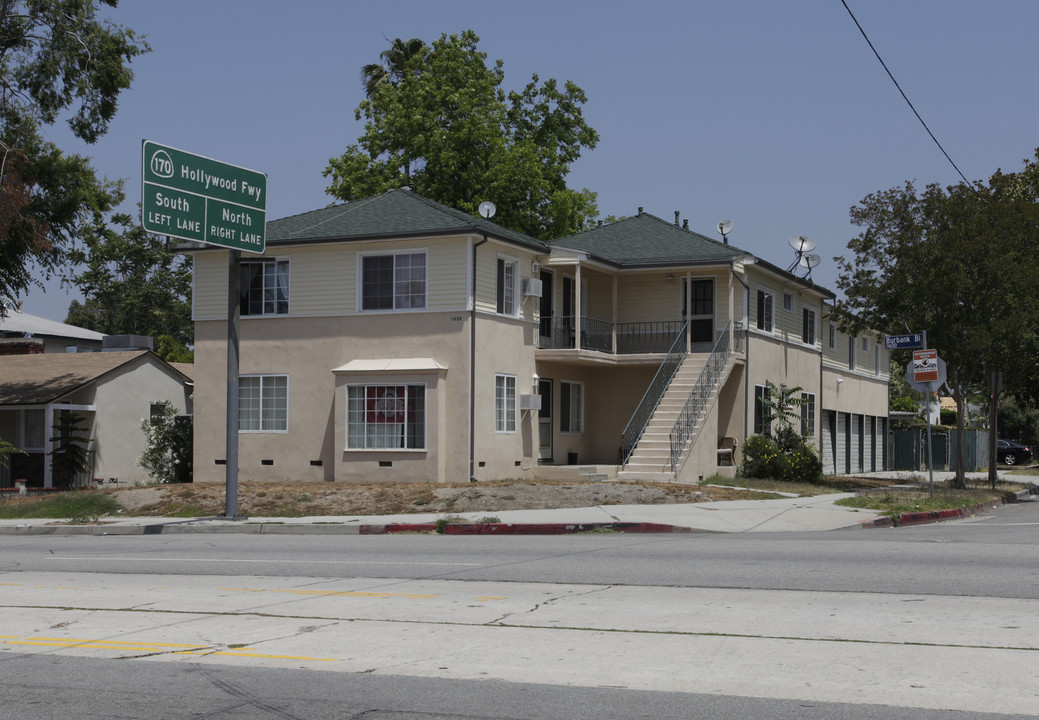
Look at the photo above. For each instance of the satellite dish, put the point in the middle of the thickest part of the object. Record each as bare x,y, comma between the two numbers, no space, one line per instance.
725,226
487,209
809,261
801,243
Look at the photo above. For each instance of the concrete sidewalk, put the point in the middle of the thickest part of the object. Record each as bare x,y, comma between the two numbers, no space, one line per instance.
793,514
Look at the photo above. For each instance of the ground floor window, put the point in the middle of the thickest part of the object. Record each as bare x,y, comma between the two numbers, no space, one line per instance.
382,417
762,417
808,414
505,403
263,403
571,407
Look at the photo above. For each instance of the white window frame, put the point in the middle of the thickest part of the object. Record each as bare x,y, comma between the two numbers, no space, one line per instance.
362,256
811,316
768,305
808,415
368,436
788,301
876,359
865,343
245,301
852,359
509,297
833,337
765,423
576,415
261,428
506,409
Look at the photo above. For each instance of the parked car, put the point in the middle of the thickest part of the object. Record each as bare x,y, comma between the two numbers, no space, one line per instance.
1012,453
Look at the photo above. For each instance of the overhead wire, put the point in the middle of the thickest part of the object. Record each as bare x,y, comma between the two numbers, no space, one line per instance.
904,96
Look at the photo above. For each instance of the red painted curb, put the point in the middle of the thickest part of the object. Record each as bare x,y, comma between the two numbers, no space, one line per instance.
519,528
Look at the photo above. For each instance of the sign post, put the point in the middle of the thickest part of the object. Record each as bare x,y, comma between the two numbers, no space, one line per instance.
196,198
926,373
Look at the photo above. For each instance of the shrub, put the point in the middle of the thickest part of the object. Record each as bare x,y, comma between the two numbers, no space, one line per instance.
793,460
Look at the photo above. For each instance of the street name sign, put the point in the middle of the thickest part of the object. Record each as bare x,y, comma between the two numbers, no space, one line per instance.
192,197
902,342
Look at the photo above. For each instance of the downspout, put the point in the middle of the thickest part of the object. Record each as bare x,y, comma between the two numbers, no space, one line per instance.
472,364
746,345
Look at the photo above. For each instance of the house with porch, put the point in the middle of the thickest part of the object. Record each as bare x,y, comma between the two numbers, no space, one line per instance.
397,339
113,391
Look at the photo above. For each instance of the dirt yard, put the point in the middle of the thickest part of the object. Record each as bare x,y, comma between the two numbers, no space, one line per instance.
300,499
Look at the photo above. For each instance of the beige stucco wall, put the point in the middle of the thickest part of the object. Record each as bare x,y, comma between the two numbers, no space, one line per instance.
308,349
611,394
123,399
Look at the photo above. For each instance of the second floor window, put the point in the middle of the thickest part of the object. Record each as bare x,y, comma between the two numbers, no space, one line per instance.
393,282
265,287
808,326
766,320
508,272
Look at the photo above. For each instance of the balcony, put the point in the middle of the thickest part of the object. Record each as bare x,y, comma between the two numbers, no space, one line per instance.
631,338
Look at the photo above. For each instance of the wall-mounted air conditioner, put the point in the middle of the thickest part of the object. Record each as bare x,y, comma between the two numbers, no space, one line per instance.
530,402
531,287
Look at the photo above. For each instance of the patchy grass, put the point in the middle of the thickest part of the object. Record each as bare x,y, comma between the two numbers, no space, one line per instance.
74,505
896,501
826,486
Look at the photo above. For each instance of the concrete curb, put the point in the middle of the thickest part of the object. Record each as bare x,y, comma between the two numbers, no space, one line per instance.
521,528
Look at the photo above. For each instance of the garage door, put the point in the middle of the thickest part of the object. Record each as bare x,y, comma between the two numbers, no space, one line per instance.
868,437
879,453
856,443
841,456
827,442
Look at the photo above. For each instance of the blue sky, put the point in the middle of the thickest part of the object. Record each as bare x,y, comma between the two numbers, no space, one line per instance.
774,114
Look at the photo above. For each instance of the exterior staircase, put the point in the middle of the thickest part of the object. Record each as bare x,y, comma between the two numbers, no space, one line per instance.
651,459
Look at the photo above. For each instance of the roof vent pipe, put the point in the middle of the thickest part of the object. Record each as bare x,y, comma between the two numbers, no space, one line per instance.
685,224
676,217
640,210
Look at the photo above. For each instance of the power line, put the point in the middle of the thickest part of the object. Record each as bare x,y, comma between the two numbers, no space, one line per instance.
904,96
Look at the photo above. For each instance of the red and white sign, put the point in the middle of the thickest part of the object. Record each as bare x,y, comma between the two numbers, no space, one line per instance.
925,366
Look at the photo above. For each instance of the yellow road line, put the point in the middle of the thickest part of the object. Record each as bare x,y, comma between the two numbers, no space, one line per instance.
156,647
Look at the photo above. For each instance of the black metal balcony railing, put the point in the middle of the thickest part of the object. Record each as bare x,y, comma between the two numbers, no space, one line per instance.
654,336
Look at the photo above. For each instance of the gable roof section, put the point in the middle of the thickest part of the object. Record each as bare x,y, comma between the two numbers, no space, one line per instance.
41,379
394,214
646,240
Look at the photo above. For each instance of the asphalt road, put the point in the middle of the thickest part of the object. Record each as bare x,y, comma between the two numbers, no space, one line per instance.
916,622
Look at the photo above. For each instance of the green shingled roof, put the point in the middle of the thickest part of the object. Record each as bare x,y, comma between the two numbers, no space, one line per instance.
394,214
648,240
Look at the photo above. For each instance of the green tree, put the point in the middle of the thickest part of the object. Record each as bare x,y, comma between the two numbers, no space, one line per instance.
443,125
132,284
56,59
956,262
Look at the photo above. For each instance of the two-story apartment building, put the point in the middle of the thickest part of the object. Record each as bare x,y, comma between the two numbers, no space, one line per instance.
394,338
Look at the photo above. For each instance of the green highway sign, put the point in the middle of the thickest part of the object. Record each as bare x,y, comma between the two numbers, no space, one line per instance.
196,198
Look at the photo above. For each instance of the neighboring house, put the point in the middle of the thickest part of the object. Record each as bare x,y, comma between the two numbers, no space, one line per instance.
21,333
394,338
114,391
